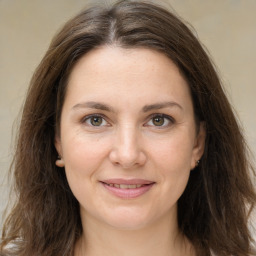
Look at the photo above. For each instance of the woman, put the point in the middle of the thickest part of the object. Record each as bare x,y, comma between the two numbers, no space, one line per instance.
128,145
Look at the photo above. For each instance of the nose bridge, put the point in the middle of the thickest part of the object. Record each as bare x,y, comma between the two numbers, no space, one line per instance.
127,148
127,143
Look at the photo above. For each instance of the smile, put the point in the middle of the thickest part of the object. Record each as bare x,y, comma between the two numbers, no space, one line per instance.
127,189
125,186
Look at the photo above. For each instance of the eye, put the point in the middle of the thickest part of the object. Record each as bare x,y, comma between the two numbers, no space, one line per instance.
160,120
95,120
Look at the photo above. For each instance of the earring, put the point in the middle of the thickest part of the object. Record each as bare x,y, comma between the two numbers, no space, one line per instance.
59,162
197,162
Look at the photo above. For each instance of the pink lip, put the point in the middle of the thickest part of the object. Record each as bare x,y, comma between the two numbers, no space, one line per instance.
130,192
128,181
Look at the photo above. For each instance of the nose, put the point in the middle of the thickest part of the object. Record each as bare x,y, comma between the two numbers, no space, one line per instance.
127,149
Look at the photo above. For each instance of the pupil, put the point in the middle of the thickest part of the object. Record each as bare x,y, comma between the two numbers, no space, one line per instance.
158,121
96,121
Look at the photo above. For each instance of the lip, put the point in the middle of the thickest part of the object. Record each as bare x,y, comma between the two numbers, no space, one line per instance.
128,193
128,181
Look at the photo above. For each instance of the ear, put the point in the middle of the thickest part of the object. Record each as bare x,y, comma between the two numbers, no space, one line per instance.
60,161
199,145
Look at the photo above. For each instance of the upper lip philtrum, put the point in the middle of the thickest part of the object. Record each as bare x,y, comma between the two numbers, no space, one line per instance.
127,184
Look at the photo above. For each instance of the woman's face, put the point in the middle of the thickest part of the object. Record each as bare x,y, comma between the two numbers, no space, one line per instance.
128,137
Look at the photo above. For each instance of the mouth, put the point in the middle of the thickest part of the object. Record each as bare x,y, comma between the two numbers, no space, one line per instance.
127,189
126,186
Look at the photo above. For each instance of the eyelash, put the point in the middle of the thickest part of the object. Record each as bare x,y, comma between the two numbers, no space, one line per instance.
87,118
169,119
166,117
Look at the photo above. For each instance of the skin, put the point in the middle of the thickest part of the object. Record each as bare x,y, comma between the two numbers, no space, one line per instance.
128,142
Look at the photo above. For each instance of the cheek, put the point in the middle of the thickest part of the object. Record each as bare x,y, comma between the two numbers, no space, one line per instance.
173,152
83,159
83,155
172,159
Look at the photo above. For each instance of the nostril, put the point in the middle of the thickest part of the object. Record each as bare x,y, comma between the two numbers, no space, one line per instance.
127,155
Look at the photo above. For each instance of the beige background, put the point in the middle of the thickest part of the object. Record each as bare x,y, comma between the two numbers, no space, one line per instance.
226,27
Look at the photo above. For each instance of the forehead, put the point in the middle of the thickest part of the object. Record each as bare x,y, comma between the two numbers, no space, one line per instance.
130,75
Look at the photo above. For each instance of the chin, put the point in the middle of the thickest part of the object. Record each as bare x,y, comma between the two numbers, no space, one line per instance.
126,219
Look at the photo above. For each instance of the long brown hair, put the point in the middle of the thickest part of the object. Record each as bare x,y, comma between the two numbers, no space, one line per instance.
214,209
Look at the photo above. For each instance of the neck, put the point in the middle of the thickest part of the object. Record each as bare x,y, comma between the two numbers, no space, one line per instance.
161,238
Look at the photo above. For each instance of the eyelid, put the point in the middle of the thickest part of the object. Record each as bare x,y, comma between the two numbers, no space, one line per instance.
169,118
87,117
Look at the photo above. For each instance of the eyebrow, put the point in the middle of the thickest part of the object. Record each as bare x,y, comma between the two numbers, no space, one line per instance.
105,107
94,105
157,106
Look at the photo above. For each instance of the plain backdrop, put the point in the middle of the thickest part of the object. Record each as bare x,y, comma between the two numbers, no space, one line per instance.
226,27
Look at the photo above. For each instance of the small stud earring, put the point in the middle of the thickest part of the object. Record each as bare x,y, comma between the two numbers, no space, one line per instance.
197,162
59,162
